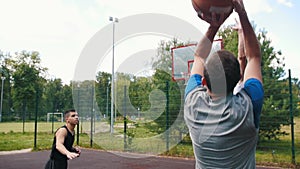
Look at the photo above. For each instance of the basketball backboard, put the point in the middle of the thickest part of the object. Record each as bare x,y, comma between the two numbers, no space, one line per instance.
183,59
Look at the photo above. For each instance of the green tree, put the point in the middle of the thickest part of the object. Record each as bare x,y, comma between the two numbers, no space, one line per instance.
163,60
6,74
163,68
103,92
139,91
54,97
67,99
163,81
26,79
275,111
84,98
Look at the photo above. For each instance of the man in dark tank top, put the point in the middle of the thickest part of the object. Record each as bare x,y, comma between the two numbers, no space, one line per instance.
62,148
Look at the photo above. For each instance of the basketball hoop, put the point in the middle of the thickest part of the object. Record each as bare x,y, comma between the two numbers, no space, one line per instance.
183,59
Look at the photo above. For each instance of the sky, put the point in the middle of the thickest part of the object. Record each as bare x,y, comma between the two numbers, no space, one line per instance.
60,29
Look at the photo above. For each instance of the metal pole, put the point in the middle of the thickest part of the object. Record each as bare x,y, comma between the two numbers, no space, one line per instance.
112,85
52,121
78,113
115,98
24,114
92,117
167,116
114,20
35,120
106,102
2,78
292,118
125,121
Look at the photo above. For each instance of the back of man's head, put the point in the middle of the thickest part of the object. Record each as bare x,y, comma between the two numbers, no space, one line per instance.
222,72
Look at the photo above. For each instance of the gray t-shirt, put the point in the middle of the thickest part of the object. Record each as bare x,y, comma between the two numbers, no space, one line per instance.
222,131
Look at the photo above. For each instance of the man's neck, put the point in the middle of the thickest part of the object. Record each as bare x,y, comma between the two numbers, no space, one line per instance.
215,97
70,127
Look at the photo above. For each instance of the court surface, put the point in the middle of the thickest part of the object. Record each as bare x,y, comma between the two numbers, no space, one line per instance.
95,159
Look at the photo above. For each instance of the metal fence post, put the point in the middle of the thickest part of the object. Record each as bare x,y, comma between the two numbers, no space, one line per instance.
77,136
92,116
35,119
292,118
125,119
167,115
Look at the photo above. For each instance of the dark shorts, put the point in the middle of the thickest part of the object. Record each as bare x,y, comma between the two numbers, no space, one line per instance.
56,164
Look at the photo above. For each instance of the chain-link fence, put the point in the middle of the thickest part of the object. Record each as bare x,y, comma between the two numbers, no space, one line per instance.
150,121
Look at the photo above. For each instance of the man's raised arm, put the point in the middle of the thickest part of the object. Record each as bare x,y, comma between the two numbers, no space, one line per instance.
205,44
252,48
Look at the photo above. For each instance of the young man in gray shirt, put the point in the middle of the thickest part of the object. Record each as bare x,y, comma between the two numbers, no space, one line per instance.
224,126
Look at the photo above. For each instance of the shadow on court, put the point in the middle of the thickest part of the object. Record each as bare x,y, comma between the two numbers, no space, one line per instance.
94,159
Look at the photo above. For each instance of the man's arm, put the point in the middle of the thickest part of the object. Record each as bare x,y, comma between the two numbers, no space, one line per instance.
205,44
241,56
253,67
241,49
203,50
60,138
251,44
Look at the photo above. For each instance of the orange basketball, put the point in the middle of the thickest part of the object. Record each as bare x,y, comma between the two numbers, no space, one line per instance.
208,6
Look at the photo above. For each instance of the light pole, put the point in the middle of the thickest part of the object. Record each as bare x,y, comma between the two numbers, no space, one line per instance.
107,97
113,20
2,78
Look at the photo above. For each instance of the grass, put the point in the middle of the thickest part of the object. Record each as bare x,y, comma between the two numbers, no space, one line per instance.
279,152
275,152
17,141
16,127
12,136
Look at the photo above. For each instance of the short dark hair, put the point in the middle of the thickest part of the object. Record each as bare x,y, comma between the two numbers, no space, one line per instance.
67,112
222,68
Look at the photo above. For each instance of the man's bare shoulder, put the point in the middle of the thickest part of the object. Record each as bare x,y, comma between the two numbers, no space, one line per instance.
61,132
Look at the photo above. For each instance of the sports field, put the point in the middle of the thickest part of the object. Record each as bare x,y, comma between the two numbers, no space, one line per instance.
275,152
